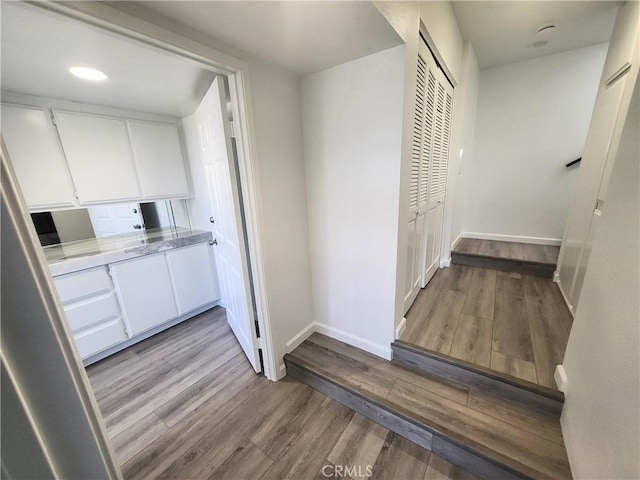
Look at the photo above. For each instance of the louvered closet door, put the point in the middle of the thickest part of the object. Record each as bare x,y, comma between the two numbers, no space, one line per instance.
418,186
437,176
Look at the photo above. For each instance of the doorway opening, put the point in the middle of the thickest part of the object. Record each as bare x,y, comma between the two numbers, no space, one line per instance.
185,312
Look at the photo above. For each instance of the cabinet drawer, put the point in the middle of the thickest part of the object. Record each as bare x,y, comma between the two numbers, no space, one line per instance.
100,337
91,311
77,285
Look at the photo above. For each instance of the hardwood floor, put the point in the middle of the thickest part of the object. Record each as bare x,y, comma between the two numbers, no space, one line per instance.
513,323
510,433
185,404
509,250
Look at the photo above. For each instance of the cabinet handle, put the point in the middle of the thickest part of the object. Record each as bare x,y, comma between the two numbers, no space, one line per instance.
137,226
213,242
212,220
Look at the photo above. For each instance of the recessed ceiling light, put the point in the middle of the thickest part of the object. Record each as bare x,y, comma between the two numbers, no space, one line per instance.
87,73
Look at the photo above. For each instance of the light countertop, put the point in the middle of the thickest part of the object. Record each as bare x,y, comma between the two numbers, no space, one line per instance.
83,254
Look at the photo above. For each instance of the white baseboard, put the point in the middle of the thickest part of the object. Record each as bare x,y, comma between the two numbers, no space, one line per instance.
301,337
513,238
456,241
401,327
373,348
560,376
566,300
446,263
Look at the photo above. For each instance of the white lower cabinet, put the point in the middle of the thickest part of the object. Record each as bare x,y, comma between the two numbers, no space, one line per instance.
107,305
145,292
191,271
92,310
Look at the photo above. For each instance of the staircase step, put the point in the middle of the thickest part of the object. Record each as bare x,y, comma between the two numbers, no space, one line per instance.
527,267
475,428
538,397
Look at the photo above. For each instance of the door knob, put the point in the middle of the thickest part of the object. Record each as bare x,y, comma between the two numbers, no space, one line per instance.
213,242
212,220
137,226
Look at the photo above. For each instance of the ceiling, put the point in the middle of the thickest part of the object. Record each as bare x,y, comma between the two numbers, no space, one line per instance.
39,47
503,32
303,37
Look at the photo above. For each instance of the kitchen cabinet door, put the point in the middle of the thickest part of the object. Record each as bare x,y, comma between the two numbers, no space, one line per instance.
144,288
191,270
99,156
37,157
158,153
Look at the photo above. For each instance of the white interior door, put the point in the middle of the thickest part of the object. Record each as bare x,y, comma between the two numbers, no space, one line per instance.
437,177
114,219
214,138
422,154
420,150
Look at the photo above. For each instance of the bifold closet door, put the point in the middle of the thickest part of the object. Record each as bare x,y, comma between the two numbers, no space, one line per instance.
438,167
422,140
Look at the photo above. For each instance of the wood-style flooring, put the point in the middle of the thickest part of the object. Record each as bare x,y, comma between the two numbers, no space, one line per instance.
509,322
186,404
508,250
526,439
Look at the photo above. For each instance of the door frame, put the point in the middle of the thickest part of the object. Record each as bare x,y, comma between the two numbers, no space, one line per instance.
237,72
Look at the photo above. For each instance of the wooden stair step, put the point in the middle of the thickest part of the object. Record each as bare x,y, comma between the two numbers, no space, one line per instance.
532,395
529,259
490,436
526,267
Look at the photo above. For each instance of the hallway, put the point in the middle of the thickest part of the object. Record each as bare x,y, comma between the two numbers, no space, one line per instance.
509,322
187,404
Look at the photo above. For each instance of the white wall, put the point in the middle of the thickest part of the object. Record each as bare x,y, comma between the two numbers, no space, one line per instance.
461,156
352,120
532,118
278,125
601,415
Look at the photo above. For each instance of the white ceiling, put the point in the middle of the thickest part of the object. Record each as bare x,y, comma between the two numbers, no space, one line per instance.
303,37
38,48
503,31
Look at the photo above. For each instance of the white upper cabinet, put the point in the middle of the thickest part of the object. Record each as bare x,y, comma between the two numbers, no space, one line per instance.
37,157
99,156
89,159
158,154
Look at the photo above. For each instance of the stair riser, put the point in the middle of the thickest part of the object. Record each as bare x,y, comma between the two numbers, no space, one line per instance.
394,421
365,407
433,366
504,265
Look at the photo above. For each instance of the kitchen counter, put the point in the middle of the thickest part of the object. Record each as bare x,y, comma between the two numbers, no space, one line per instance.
83,254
